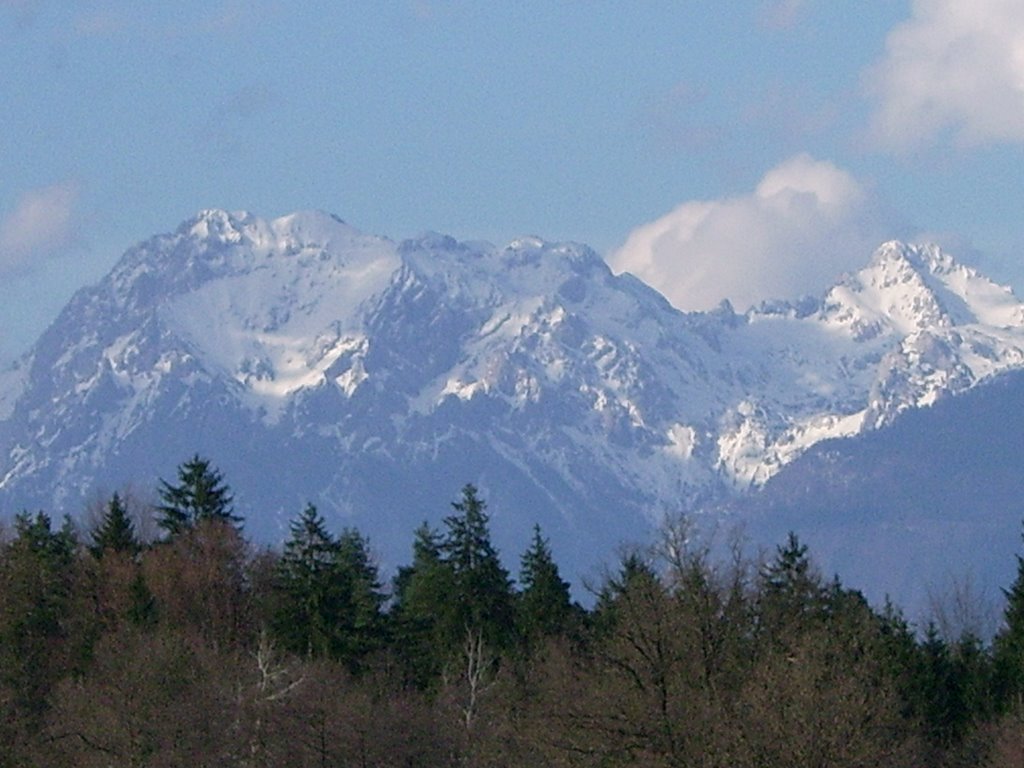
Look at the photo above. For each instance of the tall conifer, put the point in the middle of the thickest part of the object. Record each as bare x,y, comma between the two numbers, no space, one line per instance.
329,600
200,494
545,606
115,532
1008,648
483,587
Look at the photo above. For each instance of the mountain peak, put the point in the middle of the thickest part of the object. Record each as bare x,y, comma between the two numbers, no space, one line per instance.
218,224
907,288
920,257
890,295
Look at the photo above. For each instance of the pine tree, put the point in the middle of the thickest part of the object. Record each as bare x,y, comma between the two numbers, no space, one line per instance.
1008,647
545,606
483,587
426,561
37,577
423,608
934,695
329,593
790,571
364,600
634,569
116,531
142,610
792,592
304,580
635,574
199,495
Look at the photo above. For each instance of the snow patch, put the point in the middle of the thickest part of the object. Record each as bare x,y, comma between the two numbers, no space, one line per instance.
681,441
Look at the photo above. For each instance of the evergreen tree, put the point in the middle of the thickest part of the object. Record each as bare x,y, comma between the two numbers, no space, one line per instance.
115,532
454,593
545,606
141,603
792,593
37,577
426,561
329,592
633,568
200,494
483,588
364,600
935,697
1008,648
423,609
308,606
790,572
635,574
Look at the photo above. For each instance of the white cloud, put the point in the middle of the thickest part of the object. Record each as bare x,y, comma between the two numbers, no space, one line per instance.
40,224
953,67
805,223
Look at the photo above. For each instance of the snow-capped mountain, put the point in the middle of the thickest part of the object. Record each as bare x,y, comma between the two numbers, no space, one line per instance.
312,362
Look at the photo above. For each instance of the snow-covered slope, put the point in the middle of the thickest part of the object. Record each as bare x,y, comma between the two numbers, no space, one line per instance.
313,362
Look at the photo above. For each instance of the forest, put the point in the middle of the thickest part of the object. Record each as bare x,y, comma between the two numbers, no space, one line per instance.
158,635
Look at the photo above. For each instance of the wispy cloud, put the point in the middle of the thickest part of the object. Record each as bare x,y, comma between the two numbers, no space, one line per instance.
39,226
806,222
954,69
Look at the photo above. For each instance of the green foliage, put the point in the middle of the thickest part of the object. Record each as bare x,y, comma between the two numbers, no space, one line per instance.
950,688
1008,649
482,600
792,593
115,532
362,620
142,610
634,570
329,599
200,494
420,615
306,586
545,607
37,579
455,588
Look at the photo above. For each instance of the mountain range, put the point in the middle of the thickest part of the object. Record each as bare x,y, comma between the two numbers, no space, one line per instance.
313,363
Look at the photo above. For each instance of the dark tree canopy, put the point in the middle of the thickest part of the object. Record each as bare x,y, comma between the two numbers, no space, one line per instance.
329,594
422,609
115,532
37,580
203,649
483,595
545,606
200,494
1009,643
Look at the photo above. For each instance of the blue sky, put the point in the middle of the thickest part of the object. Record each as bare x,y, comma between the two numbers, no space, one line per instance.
734,150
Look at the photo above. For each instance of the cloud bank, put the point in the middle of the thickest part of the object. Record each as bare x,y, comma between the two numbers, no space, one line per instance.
40,225
953,68
805,223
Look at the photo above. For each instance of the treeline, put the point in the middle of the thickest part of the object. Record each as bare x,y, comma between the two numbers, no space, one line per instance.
197,648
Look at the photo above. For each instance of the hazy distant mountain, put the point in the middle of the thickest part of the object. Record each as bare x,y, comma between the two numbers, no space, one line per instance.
312,362
935,499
